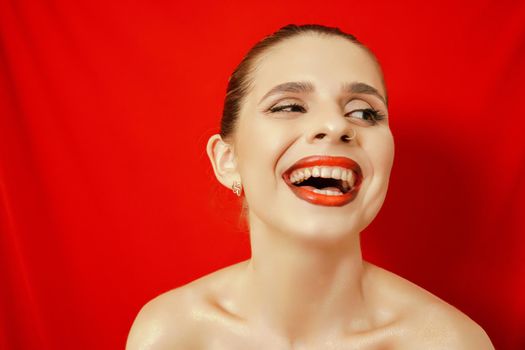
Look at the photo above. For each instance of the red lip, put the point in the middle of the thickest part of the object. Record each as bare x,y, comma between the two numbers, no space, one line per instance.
322,199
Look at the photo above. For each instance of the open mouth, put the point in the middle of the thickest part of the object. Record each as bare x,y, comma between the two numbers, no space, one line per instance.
325,180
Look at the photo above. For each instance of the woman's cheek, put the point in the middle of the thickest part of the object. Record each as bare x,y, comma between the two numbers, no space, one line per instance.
388,152
381,151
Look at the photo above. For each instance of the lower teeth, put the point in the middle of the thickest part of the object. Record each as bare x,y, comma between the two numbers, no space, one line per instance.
328,192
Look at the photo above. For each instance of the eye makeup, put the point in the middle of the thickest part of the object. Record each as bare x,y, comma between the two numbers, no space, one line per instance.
370,115
289,107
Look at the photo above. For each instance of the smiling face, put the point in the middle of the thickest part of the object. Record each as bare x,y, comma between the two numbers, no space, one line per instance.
310,94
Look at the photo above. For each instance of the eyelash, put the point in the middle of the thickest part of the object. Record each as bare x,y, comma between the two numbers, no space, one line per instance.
282,107
375,115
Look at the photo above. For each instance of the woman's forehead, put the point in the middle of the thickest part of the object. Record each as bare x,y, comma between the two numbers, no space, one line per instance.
327,62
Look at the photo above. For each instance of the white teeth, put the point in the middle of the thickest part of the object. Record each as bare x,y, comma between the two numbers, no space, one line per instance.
334,193
350,178
328,192
345,175
326,172
307,173
336,173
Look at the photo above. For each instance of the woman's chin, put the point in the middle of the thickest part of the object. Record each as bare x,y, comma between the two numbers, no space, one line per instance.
322,232
305,222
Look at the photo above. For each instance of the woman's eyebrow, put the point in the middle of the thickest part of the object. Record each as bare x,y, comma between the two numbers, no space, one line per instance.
307,87
362,88
291,86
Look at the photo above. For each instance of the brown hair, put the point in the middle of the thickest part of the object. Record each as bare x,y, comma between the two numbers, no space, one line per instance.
239,82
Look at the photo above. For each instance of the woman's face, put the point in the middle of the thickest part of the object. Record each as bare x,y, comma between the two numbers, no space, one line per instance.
327,87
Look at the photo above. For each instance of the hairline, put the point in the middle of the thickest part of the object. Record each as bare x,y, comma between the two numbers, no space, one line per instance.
244,74
254,64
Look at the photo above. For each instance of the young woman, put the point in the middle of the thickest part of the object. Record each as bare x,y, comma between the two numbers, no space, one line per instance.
305,140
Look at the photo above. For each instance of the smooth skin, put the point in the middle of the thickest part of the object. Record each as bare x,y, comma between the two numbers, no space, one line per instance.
306,285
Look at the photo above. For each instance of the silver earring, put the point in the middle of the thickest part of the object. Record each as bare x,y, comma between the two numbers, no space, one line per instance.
237,188
348,138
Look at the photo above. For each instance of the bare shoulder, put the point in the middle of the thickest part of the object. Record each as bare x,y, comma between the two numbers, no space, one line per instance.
444,327
164,323
174,320
427,321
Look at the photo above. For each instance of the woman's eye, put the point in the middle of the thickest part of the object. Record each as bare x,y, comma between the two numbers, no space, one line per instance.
367,114
288,108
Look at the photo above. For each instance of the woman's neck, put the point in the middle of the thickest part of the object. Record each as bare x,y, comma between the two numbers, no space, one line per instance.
301,287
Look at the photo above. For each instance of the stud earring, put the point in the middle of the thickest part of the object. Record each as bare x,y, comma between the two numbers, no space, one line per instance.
237,188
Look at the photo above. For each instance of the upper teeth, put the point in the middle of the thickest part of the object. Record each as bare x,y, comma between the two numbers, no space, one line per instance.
300,175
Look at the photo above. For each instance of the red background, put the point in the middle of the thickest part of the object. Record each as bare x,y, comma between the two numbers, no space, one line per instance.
107,197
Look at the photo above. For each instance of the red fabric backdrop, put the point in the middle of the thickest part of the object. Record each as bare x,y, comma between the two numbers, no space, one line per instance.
107,198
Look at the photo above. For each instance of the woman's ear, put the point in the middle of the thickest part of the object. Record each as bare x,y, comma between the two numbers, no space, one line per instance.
223,160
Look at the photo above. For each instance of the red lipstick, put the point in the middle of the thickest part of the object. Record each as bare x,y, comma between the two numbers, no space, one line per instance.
323,199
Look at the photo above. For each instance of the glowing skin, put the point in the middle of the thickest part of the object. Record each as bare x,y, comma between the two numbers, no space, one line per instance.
306,285
262,159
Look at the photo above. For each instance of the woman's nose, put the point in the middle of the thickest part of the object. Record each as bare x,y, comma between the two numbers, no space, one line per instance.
331,128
